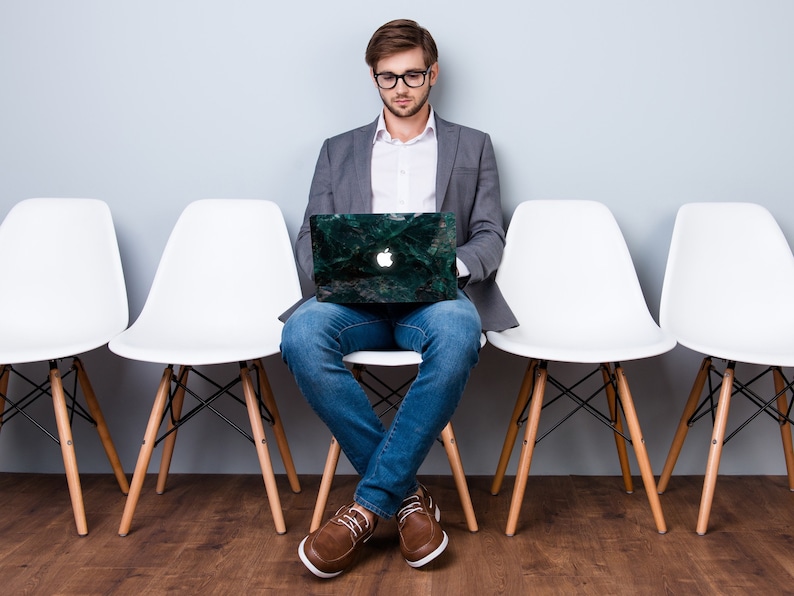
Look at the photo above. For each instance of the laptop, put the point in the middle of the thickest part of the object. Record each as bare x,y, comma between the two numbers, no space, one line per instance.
384,258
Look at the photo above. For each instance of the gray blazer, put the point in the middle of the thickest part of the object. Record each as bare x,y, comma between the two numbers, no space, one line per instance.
467,184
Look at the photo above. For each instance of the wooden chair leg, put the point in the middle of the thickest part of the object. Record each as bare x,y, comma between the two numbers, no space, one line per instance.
325,484
528,447
451,447
513,426
101,426
67,449
260,441
170,441
715,450
145,455
278,428
785,427
683,425
624,394
620,442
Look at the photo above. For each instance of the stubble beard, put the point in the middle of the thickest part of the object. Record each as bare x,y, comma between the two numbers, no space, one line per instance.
412,110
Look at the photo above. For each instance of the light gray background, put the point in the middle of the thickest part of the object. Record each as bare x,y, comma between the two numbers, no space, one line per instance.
152,104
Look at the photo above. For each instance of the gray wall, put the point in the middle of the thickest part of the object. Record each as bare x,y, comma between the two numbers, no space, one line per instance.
644,106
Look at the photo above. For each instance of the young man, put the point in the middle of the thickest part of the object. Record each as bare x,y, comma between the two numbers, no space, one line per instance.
408,160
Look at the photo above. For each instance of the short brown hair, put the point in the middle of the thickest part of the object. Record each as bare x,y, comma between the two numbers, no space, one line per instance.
399,36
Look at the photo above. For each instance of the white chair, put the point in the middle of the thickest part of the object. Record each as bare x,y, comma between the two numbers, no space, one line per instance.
387,398
225,275
570,280
63,294
727,294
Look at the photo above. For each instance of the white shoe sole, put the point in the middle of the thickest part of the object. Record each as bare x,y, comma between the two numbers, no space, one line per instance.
426,559
441,547
309,566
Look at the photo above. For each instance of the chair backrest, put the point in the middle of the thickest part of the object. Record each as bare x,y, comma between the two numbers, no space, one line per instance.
729,283
568,276
62,288
226,273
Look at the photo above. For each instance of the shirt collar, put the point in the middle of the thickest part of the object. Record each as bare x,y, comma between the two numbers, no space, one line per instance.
382,134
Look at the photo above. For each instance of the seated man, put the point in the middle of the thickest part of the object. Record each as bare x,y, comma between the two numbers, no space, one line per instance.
408,160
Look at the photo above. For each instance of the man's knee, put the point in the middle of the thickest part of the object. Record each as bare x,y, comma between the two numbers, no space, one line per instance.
300,333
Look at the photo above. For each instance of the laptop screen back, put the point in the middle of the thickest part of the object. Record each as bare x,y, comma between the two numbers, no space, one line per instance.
384,258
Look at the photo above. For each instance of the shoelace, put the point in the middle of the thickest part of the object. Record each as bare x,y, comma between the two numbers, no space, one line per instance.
352,523
412,505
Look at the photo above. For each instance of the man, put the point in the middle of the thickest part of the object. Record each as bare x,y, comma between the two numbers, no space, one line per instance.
408,160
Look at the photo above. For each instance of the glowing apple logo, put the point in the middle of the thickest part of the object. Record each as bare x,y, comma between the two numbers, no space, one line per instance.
384,258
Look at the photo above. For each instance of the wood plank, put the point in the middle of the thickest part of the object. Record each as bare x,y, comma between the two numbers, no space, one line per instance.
213,534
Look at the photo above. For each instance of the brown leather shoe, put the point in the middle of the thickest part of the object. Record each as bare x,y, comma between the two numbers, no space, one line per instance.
332,548
421,536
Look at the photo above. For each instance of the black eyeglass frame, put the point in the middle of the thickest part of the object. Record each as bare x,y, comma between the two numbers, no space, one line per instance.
402,76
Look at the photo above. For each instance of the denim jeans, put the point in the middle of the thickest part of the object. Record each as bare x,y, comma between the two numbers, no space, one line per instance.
319,334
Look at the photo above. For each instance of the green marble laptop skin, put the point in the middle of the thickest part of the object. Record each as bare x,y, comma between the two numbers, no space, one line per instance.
384,258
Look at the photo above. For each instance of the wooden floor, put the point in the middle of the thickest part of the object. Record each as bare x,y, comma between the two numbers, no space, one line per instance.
576,535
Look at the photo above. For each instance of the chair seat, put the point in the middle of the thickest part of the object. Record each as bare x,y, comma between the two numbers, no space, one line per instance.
17,346
778,350
394,357
384,357
195,346
612,344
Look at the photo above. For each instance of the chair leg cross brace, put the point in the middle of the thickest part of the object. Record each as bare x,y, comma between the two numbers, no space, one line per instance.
65,406
728,387
257,401
531,396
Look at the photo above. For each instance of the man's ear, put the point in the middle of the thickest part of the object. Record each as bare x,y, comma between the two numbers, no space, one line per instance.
433,74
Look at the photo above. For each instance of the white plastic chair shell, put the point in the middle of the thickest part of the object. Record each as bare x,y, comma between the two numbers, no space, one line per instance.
750,318
569,278
63,288
225,275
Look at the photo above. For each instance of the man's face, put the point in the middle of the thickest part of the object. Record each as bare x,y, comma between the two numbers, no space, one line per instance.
404,101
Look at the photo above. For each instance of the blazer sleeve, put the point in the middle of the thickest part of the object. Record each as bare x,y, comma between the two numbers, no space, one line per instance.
483,239
321,200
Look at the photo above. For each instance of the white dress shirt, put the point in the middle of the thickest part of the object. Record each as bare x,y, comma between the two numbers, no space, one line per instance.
404,173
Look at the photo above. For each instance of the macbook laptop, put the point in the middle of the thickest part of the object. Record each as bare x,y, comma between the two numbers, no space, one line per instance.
384,258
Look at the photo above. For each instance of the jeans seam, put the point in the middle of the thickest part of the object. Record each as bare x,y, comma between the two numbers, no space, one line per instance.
414,327
355,325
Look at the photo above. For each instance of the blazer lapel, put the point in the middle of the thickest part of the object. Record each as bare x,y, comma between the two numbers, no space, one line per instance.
362,158
447,148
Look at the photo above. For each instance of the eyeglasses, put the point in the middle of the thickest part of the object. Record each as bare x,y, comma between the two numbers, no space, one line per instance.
412,78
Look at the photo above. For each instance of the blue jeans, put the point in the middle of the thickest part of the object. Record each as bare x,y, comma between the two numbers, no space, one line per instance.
319,334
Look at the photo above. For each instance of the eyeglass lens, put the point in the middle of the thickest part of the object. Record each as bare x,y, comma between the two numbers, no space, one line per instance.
388,80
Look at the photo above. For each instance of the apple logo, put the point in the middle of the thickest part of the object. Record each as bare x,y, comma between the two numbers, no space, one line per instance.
384,258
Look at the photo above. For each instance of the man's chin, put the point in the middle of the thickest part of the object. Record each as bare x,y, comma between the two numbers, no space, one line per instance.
406,111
